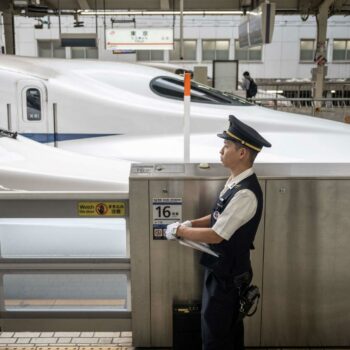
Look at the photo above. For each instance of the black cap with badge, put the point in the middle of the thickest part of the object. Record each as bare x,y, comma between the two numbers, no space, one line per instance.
244,134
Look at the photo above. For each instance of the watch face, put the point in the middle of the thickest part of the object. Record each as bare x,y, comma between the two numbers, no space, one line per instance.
216,214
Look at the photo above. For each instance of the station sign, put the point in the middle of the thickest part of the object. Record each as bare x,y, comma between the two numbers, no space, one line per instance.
139,39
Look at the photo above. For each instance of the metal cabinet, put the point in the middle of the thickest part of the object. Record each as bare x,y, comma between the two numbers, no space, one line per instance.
301,261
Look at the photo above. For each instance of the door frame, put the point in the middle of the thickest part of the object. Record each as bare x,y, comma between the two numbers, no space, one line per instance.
38,130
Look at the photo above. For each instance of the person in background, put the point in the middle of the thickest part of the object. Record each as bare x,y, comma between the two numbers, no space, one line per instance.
249,85
230,231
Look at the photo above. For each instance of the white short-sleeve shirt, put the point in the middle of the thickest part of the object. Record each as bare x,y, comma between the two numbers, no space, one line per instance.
241,208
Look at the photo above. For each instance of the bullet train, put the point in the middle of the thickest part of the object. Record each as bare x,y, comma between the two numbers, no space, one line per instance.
27,165
134,113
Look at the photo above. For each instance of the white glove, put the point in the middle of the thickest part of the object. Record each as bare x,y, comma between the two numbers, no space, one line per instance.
187,223
170,232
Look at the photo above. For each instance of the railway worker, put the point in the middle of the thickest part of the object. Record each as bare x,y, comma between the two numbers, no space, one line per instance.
229,230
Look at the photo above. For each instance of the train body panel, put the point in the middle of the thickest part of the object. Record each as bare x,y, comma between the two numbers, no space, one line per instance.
130,112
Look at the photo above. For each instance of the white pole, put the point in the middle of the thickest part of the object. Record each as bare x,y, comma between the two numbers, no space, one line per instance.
187,104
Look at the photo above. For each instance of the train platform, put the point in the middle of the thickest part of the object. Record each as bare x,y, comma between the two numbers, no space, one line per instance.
90,341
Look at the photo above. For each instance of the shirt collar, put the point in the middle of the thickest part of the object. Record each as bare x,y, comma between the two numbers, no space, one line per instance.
233,181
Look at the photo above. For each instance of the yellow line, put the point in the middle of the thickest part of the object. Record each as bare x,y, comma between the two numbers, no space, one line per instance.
108,347
61,302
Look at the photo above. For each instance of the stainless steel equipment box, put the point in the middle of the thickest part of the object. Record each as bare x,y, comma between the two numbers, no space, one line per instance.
301,261
161,271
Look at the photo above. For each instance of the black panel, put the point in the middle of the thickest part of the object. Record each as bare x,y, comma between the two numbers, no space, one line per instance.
78,42
187,326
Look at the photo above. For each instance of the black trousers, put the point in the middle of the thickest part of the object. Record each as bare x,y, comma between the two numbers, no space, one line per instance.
220,308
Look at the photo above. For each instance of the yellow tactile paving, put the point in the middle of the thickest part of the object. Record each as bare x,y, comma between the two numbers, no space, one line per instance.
17,348
65,302
66,348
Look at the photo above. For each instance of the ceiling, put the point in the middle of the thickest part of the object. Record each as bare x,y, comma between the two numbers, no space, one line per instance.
282,6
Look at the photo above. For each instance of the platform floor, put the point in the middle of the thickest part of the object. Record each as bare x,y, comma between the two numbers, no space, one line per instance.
85,341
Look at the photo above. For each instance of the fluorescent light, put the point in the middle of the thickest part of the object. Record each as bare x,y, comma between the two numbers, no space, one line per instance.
155,13
274,91
20,3
333,91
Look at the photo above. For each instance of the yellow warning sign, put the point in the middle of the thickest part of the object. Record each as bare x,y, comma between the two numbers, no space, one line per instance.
101,208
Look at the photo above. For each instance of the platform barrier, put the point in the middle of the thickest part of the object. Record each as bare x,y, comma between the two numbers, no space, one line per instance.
336,109
65,262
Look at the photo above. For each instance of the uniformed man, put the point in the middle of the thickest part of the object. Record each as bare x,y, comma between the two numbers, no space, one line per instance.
230,230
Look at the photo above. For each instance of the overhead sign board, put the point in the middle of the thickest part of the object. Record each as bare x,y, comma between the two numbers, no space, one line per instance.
78,40
243,34
257,27
139,39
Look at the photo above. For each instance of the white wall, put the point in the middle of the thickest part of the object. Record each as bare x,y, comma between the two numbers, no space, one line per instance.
280,59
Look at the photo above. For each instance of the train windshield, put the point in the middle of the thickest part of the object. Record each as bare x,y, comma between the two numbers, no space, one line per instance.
174,88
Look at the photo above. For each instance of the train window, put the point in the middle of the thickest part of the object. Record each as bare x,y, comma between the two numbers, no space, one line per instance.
174,88
215,50
33,101
189,53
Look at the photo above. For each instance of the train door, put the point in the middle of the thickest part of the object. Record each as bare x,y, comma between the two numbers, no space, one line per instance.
32,111
3,116
4,111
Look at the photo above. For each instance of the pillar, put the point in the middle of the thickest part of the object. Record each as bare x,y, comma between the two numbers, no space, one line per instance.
320,55
9,30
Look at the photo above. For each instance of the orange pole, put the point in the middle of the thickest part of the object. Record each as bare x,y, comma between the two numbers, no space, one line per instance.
187,84
186,125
